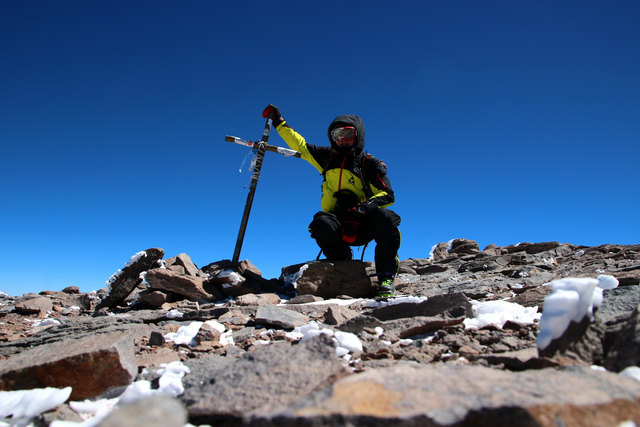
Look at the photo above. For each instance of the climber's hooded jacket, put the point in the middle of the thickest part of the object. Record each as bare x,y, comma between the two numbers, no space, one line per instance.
346,172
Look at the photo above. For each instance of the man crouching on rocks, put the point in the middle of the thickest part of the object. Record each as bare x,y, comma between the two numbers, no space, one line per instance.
355,195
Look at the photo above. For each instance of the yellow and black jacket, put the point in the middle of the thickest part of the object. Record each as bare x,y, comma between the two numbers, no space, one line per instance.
358,175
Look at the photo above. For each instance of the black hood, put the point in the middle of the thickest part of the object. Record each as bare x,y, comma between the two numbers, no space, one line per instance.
349,120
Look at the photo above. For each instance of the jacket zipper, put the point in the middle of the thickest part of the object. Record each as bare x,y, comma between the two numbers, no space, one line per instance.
340,178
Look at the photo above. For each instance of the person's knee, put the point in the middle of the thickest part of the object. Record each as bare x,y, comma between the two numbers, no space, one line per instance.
323,223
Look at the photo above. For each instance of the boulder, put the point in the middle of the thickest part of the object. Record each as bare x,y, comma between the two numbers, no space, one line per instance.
270,376
183,260
447,395
191,287
260,299
157,411
328,279
271,315
449,306
90,365
123,282
39,306
464,246
625,351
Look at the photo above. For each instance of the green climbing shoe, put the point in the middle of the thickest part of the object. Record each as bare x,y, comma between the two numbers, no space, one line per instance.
386,288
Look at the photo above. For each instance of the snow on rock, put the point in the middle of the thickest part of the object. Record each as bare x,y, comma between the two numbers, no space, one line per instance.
234,278
170,382
498,313
372,303
346,341
570,300
30,403
174,314
185,335
292,279
129,263
631,372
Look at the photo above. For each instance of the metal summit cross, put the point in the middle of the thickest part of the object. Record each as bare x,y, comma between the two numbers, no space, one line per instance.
262,147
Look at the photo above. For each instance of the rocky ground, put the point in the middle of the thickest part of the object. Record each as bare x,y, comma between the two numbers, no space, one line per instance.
312,348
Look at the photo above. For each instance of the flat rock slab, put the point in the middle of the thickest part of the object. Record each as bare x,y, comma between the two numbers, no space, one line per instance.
218,389
448,306
189,286
89,365
271,315
462,395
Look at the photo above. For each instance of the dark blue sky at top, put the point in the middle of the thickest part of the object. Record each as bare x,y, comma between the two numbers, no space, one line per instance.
500,122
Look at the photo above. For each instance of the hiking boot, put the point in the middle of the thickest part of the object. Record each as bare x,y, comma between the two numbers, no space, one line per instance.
386,288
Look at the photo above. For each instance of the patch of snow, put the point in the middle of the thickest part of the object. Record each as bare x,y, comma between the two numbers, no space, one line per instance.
292,279
45,322
631,372
346,341
216,325
185,335
234,278
175,314
227,338
571,299
26,404
498,313
371,303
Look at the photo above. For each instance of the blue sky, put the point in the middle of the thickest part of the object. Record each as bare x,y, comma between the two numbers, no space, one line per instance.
500,122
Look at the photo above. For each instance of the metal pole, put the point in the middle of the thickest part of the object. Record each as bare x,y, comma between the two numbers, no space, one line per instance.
252,192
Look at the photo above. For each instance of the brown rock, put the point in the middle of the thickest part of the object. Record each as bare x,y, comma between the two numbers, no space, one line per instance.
260,299
125,281
39,306
183,260
329,279
448,395
90,365
188,286
338,315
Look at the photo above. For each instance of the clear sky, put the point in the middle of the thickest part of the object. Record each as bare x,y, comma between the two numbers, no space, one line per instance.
500,121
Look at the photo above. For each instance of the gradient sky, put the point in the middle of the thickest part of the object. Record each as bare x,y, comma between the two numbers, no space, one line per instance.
500,122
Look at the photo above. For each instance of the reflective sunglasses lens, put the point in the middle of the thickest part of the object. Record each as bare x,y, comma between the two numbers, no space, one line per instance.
348,133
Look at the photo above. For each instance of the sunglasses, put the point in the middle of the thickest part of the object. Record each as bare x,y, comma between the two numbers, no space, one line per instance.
344,134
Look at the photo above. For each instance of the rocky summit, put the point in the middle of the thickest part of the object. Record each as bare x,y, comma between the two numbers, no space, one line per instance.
167,343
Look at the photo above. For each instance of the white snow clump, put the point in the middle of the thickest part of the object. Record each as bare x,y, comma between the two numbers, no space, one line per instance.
570,300
498,313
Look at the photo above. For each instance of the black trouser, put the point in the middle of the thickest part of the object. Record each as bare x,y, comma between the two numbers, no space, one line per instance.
380,225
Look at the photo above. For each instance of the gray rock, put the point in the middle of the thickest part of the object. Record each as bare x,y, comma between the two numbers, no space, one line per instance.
625,351
446,395
581,342
157,411
448,306
418,325
271,315
622,300
267,377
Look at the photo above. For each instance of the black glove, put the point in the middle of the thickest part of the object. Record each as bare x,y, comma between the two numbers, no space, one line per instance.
364,207
275,114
